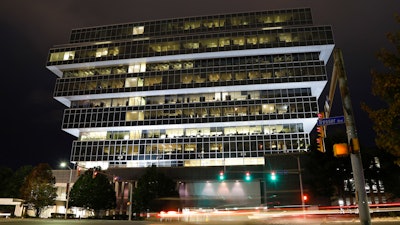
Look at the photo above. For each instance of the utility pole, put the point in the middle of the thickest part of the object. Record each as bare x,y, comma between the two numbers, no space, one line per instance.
355,156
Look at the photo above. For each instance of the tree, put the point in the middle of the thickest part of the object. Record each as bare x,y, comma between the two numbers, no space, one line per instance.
38,189
386,85
93,190
17,180
5,177
153,188
10,184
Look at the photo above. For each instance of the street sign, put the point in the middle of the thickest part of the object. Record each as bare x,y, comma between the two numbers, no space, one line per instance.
331,121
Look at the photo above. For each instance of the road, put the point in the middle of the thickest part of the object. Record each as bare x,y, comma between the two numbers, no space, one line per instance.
233,221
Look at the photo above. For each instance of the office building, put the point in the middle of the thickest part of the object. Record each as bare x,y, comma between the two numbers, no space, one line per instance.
197,94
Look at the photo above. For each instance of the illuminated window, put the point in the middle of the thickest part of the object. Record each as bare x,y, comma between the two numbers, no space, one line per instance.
69,55
252,40
226,76
138,30
170,46
240,76
268,108
210,43
285,37
137,68
265,19
254,75
56,57
101,52
191,45
200,78
60,56
134,116
93,136
238,41
224,42
190,147
282,18
191,25
187,78
113,51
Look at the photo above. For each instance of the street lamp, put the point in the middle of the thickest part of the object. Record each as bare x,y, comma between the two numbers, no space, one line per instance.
63,164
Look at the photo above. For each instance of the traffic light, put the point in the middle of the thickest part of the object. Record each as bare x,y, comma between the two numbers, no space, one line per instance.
94,174
320,134
321,131
221,176
340,150
247,176
354,145
305,198
273,176
321,115
320,144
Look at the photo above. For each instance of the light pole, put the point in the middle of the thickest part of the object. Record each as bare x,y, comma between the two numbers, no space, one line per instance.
130,200
301,184
63,164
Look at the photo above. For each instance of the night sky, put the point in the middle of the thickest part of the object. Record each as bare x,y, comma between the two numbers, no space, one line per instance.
31,119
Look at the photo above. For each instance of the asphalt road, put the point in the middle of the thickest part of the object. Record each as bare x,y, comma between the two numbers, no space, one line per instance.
276,221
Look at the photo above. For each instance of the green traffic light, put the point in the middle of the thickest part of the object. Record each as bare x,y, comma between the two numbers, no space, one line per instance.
247,177
273,176
221,176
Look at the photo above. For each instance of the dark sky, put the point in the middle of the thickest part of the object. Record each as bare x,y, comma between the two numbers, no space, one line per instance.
31,129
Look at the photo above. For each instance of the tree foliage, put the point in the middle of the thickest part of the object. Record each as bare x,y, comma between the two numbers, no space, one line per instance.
152,187
17,180
5,178
386,85
93,191
11,183
39,188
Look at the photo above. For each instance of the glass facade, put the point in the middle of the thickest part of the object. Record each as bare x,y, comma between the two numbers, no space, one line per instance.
222,90
204,24
194,43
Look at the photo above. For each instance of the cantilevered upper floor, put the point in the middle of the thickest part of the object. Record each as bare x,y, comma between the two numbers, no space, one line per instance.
187,47
272,19
203,77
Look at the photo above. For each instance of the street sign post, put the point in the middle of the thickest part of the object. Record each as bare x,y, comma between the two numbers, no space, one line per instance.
356,162
331,121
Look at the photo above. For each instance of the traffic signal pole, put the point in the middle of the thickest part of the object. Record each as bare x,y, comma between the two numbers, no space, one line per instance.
355,156
301,185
